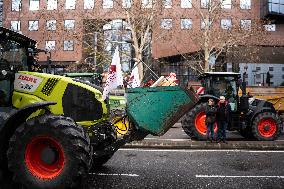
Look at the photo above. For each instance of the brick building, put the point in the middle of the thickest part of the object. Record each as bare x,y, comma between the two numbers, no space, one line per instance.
58,26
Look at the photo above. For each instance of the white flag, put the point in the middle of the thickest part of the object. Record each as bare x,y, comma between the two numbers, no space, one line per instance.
134,78
114,78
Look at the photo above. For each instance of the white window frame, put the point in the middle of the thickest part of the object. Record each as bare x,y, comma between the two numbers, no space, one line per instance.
68,45
245,4
186,4
185,23
167,4
226,4
51,25
33,25
70,4
16,5
127,4
89,4
270,27
15,25
69,24
203,24
147,4
34,5
50,45
107,4
166,23
246,24
51,5
226,23
204,4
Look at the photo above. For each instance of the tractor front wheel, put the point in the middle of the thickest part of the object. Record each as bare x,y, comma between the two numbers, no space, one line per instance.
193,123
266,126
49,152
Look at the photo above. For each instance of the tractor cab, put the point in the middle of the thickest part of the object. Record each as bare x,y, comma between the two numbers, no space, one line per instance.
16,53
222,84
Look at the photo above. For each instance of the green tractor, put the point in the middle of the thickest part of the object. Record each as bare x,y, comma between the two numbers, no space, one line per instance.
253,118
54,129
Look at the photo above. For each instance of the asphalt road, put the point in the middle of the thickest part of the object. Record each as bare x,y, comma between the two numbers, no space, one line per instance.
137,168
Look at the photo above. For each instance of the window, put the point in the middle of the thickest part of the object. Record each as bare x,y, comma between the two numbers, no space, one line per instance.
70,4
185,4
270,27
34,5
107,4
33,25
49,45
51,4
204,4
276,6
89,4
271,76
245,4
16,5
206,23
69,24
283,69
51,25
271,69
185,23
282,76
226,24
167,4
68,45
226,4
16,25
258,68
166,23
126,3
258,76
147,3
246,24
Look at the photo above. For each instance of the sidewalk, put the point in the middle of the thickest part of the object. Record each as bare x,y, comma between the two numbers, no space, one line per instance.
175,138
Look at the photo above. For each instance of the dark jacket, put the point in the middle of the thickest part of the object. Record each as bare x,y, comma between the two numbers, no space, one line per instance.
210,112
224,112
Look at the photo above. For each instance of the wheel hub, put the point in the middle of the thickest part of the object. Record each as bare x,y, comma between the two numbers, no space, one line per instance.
44,157
267,127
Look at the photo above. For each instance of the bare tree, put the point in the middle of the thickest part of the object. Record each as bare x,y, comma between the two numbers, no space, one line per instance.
220,32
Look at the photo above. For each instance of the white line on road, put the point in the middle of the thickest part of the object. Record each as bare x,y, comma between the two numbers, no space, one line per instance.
114,174
189,151
237,176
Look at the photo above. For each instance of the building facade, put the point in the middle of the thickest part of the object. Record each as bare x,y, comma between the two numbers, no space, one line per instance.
58,26
1,12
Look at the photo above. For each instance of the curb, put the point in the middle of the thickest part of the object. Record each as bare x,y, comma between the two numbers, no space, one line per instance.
239,145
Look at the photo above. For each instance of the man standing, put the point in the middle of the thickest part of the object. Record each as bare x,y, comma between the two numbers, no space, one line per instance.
210,119
223,118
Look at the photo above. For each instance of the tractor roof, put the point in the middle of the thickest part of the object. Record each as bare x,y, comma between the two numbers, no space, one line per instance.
222,74
6,34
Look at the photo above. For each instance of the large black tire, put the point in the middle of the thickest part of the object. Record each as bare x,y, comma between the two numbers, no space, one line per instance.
49,152
266,126
188,122
104,135
4,175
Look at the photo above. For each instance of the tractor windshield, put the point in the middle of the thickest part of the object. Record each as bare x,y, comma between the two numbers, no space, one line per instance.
13,54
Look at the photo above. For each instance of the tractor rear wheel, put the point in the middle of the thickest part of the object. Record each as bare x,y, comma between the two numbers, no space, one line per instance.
266,126
49,152
193,123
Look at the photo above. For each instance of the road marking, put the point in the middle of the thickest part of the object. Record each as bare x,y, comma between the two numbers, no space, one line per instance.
114,174
238,176
189,151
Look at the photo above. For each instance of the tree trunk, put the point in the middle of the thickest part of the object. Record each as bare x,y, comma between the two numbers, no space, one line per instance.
138,55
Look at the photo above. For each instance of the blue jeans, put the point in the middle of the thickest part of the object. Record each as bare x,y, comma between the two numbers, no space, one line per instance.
210,129
222,126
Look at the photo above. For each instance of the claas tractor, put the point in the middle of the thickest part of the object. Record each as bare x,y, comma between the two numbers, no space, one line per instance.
55,129
253,118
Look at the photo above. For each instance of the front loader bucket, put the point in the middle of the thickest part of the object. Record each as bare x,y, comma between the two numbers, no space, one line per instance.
155,110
